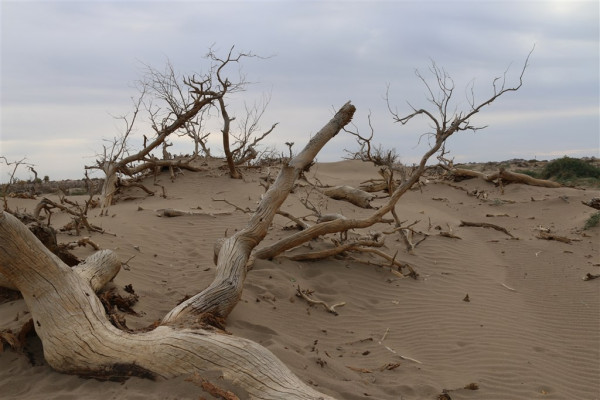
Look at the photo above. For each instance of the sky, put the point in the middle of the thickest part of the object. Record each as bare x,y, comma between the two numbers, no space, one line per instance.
69,68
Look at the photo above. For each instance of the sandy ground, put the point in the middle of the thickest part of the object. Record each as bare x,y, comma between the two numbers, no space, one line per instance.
531,329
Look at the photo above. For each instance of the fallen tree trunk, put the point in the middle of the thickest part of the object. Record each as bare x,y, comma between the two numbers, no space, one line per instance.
514,177
352,195
78,338
504,175
467,174
486,225
97,270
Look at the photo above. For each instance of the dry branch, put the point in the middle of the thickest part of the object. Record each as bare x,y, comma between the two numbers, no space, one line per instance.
551,236
501,177
305,294
319,255
507,176
170,212
486,225
47,205
352,195
301,224
449,235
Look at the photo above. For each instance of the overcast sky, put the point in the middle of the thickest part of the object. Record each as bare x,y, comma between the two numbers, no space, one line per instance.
69,67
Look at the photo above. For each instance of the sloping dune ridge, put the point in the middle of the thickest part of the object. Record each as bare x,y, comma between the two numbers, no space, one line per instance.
530,330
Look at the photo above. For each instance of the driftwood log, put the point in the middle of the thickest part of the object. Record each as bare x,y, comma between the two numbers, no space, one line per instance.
78,338
503,175
514,177
352,195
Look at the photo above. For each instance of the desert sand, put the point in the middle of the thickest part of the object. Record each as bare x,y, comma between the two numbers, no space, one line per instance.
530,330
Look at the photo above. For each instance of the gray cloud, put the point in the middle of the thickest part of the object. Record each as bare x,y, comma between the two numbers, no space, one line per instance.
67,66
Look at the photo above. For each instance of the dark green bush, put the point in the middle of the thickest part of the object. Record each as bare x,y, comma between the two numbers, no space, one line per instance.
567,168
592,221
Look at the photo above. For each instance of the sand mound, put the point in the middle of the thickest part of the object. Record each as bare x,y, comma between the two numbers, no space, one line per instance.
531,327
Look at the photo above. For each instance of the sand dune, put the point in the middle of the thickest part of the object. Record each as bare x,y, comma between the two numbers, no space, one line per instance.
530,330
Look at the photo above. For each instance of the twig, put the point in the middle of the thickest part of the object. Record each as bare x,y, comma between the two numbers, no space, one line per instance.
551,236
394,351
246,210
351,246
81,243
486,225
126,263
449,235
330,309
301,224
589,276
384,335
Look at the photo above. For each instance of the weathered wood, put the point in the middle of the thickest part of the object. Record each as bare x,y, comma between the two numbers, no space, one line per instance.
345,224
78,338
374,186
486,225
299,223
355,196
98,269
503,175
551,236
171,212
226,289
514,177
467,174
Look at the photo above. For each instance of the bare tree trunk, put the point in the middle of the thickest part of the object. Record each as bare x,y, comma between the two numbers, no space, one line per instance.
222,295
233,172
78,338
109,187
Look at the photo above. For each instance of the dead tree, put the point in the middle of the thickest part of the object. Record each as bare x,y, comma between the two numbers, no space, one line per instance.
386,159
245,151
194,129
14,165
174,105
445,123
62,302
501,177
247,139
